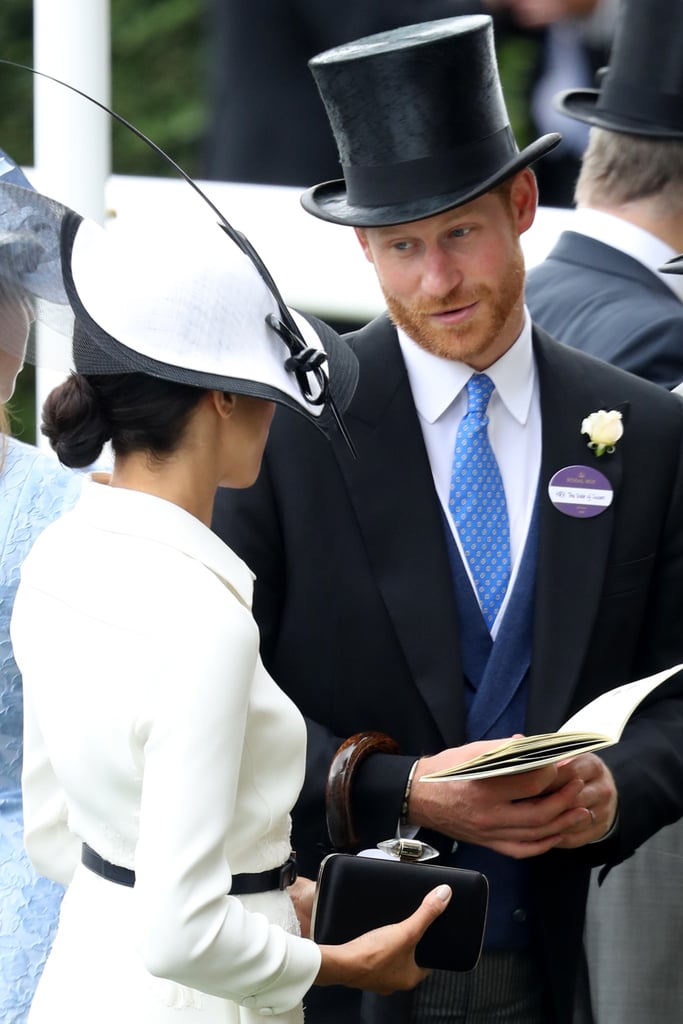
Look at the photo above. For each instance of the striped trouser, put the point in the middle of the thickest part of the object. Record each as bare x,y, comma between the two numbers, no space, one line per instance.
504,988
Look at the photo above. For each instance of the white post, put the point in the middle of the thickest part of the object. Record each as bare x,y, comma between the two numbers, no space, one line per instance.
71,40
72,137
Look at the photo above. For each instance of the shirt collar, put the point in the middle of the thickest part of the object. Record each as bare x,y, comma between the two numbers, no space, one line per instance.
636,242
122,511
436,382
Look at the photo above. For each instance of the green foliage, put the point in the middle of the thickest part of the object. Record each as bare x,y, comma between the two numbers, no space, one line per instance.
16,88
22,407
158,59
157,56
157,67
517,60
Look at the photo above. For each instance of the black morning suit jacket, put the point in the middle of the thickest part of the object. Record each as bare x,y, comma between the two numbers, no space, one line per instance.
356,606
596,298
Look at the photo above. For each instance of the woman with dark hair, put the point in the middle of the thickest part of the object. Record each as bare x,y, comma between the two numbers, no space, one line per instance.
161,760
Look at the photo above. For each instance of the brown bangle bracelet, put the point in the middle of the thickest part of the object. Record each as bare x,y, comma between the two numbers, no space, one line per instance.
349,756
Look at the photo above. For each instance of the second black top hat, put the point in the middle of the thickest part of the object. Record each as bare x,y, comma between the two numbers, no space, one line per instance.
420,123
641,92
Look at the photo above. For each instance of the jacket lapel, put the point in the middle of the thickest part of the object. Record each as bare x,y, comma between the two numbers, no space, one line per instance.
392,490
572,552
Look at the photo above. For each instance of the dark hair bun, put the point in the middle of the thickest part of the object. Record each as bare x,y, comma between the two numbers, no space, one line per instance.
74,422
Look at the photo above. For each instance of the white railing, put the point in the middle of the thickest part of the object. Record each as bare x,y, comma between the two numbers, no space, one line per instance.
318,266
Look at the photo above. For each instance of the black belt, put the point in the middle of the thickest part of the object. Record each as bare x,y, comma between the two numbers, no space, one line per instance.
242,885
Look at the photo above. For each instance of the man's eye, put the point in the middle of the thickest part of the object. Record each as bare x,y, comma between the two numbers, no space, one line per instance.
460,232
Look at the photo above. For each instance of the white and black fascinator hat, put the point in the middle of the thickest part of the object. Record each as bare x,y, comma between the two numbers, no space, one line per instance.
187,305
189,301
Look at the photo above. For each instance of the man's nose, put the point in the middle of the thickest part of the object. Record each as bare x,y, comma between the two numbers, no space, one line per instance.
440,273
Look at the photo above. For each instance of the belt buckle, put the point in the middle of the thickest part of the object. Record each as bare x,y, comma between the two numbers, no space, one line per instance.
288,873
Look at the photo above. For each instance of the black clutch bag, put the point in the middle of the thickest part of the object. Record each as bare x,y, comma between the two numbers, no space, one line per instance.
357,894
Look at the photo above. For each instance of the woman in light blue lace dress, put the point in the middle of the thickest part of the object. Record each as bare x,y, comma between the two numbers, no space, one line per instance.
34,490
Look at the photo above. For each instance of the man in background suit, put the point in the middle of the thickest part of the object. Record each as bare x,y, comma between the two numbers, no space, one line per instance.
368,616
600,289
634,921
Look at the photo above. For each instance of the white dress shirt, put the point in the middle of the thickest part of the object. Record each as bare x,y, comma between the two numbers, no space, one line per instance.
439,391
154,733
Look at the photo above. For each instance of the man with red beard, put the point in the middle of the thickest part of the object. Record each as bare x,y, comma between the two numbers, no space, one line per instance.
441,589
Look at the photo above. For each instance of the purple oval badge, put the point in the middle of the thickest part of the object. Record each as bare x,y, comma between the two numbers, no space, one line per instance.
580,491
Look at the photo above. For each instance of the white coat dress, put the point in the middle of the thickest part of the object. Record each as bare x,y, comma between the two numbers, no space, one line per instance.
154,734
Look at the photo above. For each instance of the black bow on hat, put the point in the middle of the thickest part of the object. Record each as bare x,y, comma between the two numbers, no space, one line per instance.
420,123
641,92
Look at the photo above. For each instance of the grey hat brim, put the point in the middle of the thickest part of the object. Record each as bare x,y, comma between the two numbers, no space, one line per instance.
582,105
329,200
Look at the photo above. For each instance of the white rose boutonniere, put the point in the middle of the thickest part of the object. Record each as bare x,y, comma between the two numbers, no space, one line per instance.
604,430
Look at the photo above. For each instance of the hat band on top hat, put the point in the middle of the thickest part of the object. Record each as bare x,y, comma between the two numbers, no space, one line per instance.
637,102
384,184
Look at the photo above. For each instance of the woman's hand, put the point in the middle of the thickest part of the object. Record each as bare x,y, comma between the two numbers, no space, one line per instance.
302,893
383,960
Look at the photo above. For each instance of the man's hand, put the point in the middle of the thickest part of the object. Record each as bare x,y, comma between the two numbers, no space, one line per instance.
598,797
562,805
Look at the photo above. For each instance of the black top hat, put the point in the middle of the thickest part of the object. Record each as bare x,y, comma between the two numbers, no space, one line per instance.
420,123
673,266
641,92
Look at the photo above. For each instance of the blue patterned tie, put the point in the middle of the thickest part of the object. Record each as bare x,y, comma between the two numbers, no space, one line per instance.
477,501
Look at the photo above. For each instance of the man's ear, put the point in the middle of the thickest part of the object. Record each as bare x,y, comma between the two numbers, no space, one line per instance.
524,199
362,237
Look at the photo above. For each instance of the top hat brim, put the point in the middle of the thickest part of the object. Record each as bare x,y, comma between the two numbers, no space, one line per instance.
329,200
673,266
582,105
